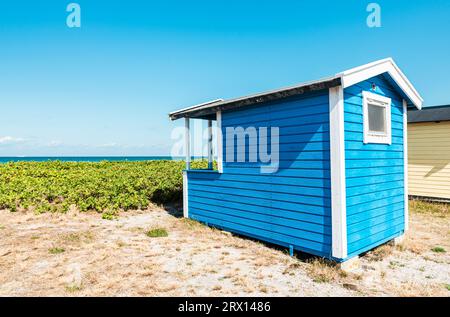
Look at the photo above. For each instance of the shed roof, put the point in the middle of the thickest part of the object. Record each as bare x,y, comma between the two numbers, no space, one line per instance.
430,114
345,79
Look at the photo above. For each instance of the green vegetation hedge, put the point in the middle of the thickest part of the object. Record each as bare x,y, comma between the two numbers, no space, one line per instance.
55,186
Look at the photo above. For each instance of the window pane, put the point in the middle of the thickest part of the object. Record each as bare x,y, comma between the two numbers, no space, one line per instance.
377,118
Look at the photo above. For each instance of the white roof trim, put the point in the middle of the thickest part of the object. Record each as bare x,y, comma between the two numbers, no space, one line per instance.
208,103
346,79
220,102
361,73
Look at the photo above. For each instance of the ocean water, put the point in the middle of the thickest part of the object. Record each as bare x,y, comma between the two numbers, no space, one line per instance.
6,159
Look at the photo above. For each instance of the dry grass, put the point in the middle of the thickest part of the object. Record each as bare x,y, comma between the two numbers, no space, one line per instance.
323,271
116,258
77,238
430,221
414,289
192,224
413,244
380,253
435,209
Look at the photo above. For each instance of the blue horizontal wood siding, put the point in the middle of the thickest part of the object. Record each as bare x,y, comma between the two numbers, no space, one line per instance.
289,207
374,172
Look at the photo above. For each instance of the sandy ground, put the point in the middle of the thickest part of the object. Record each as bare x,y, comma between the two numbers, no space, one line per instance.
80,254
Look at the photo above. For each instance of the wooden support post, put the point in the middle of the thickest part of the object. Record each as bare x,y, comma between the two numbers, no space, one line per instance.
219,142
187,142
210,148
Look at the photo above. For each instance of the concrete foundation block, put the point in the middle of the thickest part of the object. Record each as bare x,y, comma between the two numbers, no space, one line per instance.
350,265
397,241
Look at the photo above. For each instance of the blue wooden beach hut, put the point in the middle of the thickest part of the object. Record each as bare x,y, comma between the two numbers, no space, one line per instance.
338,186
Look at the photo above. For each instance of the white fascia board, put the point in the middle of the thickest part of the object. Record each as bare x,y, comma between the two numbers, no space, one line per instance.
212,102
362,73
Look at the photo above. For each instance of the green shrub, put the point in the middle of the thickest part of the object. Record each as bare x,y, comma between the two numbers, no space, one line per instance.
157,233
56,250
103,186
109,215
438,250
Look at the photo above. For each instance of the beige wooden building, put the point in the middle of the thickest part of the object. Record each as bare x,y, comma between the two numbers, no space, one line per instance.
429,153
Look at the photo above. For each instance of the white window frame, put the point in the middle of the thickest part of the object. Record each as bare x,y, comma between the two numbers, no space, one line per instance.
373,137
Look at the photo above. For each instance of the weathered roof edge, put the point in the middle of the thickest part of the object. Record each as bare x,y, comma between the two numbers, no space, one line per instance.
430,114
212,107
346,79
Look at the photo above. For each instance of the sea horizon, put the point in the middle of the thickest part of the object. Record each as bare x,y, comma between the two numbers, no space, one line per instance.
93,158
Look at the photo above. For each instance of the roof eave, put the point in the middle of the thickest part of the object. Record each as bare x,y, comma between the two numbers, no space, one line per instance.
430,114
345,79
212,108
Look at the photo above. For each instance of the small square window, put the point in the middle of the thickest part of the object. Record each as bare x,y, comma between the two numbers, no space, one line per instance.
377,118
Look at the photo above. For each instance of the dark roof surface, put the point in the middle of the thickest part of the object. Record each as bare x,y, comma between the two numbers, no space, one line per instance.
210,108
386,67
429,114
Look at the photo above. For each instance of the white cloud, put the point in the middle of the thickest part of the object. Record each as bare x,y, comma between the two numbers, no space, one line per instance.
10,140
112,144
54,143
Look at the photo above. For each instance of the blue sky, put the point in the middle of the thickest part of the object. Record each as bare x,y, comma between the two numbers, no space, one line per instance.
106,88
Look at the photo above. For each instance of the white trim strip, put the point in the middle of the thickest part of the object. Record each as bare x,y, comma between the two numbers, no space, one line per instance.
362,73
405,162
338,187
210,147
348,78
187,142
212,102
219,142
185,195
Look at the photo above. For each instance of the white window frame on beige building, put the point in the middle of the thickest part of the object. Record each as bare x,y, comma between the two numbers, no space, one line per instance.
379,101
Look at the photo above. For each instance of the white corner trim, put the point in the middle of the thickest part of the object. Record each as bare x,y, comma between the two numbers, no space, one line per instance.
405,162
381,101
362,73
338,187
185,195
219,142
